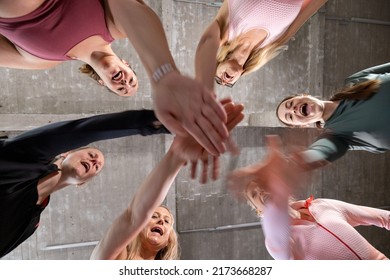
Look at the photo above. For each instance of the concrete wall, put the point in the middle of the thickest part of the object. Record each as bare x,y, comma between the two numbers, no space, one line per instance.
344,37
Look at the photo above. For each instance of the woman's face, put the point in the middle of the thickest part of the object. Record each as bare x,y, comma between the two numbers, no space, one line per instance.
256,197
118,76
301,110
159,228
228,72
82,165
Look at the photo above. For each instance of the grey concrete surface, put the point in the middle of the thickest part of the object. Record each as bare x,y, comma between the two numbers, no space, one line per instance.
345,36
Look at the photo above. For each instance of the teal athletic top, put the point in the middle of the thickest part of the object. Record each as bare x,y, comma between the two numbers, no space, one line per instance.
357,124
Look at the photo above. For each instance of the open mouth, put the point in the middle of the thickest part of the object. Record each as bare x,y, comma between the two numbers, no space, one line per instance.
227,77
86,166
158,230
304,110
117,76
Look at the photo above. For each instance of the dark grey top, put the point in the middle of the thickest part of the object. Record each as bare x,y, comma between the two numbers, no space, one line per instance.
358,125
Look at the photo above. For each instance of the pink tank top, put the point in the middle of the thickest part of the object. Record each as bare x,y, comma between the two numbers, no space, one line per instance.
53,29
273,16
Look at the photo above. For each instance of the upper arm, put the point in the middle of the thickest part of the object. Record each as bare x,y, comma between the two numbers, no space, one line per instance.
328,147
121,232
379,69
357,215
277,230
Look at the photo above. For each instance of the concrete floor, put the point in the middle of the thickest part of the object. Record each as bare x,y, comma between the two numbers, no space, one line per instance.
344,37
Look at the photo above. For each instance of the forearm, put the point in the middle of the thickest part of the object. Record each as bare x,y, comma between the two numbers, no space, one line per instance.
205,56
276,227
379,69
145,31
358,215
154,189
323,151
148,197
60,137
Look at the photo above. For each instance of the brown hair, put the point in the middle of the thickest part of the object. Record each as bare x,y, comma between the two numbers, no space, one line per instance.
360,91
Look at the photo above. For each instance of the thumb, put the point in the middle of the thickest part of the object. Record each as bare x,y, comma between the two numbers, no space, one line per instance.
173,125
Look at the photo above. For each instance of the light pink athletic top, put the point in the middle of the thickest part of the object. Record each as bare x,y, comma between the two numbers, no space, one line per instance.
56,27
274,16
331,237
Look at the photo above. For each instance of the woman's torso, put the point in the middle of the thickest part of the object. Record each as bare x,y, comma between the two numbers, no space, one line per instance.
330,237
273,16
55,27
364,124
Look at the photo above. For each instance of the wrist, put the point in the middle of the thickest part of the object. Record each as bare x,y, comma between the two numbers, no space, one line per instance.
162,71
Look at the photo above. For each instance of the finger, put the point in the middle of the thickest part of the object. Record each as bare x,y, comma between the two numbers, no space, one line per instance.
215,174
172,124
194,165
232,147
201,138
205,166
228,107
239,178
209,98
225,100
213,136
274,142
235,118
216,107
210,120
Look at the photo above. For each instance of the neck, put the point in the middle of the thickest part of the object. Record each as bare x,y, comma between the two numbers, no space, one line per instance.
248,42
329,108
47,185
90,49
146,254
50,183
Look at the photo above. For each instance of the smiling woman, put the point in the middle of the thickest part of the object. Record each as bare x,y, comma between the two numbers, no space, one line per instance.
245,35
355,118
157,241
311,229
144,229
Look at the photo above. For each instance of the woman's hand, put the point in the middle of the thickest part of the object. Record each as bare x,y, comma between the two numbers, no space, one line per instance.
185,106
277,174
187,148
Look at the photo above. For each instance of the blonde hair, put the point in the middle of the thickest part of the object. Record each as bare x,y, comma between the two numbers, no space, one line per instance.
257,58
88,70
264,197
169,252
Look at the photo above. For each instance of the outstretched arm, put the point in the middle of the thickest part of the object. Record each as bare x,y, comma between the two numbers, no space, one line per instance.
278,176
209,43
182,104
375,71
358,215
151,194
